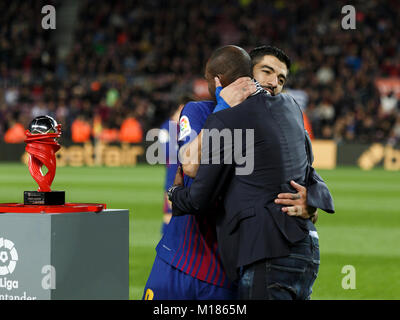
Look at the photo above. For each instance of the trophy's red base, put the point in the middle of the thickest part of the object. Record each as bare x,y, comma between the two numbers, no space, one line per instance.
65,208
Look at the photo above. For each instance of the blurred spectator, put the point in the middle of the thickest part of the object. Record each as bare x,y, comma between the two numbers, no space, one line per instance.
388,103
131,131
11,96
325,75
325,112
15,134
80,130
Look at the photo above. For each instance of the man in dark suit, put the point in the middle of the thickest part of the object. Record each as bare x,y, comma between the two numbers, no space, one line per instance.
273,255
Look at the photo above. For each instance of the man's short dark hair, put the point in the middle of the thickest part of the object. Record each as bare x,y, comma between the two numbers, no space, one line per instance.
258,53
231,62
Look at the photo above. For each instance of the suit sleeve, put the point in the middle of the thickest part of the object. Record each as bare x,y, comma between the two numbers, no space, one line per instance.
318,195
210,177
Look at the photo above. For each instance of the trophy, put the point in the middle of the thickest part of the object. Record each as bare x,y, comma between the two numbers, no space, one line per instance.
42,145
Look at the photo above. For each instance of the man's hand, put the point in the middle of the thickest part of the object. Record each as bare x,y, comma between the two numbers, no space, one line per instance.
178,181
237,91
296,203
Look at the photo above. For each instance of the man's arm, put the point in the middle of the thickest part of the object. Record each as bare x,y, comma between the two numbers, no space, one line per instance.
190,126
296,204
233,94
230,96
209,180
305,202
318,193
190,155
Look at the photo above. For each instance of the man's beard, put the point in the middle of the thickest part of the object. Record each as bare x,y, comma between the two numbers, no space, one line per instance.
269,89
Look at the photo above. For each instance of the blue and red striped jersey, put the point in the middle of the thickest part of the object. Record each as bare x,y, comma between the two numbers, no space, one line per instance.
190,242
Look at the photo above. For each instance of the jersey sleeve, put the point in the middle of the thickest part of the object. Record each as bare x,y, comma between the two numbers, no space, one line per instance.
190,123
164,139
221,103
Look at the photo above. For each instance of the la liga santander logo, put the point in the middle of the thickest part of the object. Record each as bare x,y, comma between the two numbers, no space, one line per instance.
8,257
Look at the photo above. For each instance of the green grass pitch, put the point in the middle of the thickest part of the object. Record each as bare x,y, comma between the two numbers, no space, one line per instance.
364,232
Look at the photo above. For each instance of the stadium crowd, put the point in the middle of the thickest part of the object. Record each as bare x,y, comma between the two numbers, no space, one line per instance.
133,60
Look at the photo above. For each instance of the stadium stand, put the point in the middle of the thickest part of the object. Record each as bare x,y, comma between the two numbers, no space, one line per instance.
138,57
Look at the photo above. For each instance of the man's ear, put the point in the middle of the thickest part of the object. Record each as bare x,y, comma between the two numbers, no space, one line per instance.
223,80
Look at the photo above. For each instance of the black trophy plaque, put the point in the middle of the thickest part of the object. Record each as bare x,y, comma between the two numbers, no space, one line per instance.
44,198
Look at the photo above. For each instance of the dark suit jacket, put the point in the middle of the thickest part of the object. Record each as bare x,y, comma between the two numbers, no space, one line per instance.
251,226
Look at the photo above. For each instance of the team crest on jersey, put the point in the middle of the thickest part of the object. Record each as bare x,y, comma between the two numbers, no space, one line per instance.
184,127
